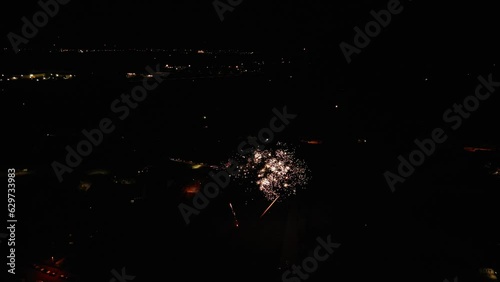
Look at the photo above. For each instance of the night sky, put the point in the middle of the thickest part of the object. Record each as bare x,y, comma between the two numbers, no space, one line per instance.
424,29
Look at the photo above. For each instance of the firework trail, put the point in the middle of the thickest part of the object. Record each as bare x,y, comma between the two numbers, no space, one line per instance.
269,207
236,223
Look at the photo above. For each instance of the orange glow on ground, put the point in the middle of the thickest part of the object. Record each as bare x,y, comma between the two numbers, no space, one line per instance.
192,189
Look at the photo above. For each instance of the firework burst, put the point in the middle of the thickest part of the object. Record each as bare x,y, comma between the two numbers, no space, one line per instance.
276,172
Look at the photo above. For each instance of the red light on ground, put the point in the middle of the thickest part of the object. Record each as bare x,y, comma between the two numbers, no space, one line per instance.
192,189
313,142
475,149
